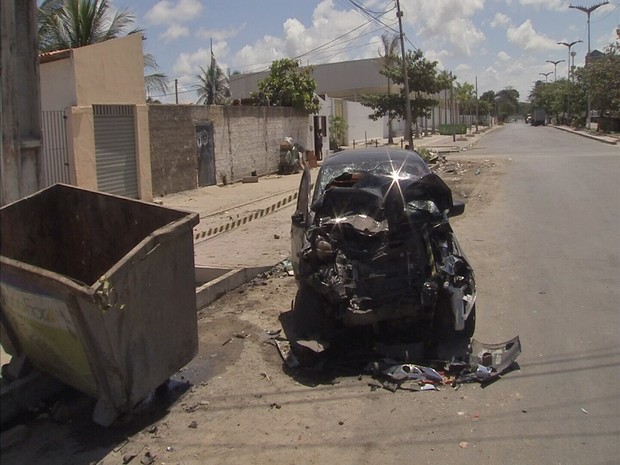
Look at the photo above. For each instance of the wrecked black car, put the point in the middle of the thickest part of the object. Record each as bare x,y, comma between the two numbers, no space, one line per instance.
372,248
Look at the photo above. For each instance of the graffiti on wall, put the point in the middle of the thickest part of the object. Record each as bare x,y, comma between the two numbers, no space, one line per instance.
206,155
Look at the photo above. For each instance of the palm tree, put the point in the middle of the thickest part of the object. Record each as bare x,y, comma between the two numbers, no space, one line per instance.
65,24
214,88
389,56
155,83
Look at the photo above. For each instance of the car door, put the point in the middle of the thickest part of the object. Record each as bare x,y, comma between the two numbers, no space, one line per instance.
299,220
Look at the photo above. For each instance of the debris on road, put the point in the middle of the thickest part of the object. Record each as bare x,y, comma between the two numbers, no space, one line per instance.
284,348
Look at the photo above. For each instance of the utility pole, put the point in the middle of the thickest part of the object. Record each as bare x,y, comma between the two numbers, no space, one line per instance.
477,116
399,14
588,10
452,115
176,91
569,45
555,68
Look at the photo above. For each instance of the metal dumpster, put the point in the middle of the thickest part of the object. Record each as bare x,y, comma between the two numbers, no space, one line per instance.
98,291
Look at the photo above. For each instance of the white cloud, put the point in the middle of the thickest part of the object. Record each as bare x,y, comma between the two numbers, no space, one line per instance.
462,68
525,37
220,34
503,56
174,31
306,40
260,54
447,23
170,11
500,19
556,5
189,63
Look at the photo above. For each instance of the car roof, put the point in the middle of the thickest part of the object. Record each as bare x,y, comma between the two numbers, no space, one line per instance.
373,155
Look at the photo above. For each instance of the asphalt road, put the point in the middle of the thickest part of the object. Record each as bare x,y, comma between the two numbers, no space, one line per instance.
547,258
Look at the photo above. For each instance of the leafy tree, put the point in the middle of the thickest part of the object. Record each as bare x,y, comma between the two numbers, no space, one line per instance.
507,101
550,96
155,83
214,88
602,77
465,94
423,81
290,85
65,24
337,129
487,103
388,56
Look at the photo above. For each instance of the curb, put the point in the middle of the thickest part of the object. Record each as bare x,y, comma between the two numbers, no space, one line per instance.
604,140
214,231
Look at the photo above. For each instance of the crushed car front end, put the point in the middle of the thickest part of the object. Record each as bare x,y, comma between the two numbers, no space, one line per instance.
378,249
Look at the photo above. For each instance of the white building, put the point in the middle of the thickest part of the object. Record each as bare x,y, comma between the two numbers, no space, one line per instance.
340,86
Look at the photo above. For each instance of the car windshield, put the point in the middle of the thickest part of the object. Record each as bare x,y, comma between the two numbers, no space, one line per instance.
410,169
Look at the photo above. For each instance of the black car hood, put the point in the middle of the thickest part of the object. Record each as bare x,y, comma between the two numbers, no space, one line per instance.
378,195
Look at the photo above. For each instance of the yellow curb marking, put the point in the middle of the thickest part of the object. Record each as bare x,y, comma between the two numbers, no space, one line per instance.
246,219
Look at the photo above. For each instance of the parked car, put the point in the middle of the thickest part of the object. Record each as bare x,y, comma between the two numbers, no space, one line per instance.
372,247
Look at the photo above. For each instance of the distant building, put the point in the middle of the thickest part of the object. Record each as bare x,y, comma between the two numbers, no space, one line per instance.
593,56
340,86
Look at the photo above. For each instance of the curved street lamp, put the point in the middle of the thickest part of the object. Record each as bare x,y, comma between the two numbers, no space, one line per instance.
569,45
588,10
555,68
545,74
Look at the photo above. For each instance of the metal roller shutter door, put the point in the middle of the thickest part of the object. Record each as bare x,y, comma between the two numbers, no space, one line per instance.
115,149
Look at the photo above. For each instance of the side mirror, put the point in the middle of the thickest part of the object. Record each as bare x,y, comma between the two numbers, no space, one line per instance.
458,208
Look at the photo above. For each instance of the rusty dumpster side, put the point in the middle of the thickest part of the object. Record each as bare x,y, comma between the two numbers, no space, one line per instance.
98,291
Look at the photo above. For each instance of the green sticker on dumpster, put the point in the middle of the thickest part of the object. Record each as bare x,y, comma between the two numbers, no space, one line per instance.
47,334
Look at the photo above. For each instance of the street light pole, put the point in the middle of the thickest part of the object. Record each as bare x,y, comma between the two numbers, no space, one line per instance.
569,45
399,14
588,10
555,68
545,74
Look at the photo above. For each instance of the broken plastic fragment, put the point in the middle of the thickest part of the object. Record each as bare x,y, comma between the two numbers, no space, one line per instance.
429,387
502,355
284,348
413,372
314,346
488,361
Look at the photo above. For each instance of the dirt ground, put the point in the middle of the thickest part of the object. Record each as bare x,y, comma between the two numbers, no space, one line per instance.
236,402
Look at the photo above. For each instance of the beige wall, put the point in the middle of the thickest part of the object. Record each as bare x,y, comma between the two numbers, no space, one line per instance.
143,152
81,146
108,73
246,139
111,72
57,85
82,154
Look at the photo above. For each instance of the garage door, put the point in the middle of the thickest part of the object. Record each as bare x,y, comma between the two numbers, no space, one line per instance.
115,149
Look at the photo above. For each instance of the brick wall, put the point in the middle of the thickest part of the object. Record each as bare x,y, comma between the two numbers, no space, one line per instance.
246,139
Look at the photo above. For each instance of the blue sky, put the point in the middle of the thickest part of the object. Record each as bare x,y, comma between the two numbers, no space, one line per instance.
501,42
